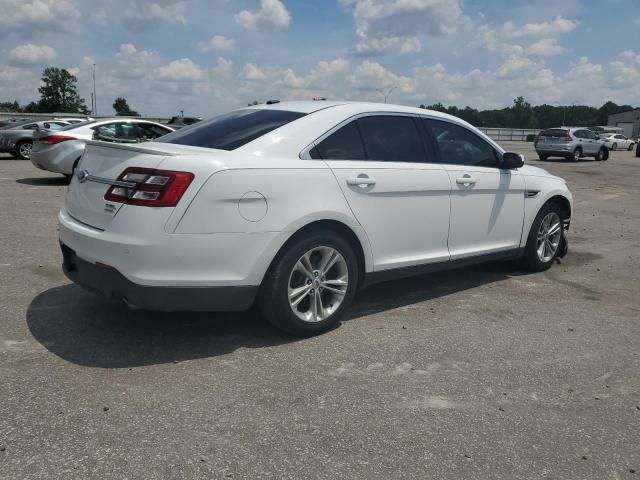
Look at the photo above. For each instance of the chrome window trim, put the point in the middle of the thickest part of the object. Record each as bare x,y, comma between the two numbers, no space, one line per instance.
305,153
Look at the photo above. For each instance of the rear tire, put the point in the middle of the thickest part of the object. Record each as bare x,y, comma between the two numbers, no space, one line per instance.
630,147
542,157
294,296
23,150
545,243
577,153
614,146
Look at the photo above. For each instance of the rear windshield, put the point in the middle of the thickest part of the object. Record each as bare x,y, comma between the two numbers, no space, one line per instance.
231,130
80,124
554,132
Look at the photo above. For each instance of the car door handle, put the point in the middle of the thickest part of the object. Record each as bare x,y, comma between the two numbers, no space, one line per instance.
361,181
466,181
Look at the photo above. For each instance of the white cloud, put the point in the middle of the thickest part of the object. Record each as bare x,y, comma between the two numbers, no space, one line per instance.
395,25
56,15
219,43
223,66
254,73
131,63
32,54
546,47
142,14
558,25
183,69
272,15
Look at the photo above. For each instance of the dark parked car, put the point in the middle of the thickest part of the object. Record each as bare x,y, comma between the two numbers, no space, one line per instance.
179,122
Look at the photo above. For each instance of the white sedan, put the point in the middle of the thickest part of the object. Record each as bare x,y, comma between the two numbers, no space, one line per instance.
614,141
297,205
60,151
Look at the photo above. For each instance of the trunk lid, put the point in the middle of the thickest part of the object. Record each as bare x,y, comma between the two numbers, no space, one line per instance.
101,164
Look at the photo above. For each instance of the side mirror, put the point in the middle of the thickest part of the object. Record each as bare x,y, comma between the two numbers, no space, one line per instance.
511,161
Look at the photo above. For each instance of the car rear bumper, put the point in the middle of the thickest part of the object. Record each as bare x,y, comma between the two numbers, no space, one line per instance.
109,282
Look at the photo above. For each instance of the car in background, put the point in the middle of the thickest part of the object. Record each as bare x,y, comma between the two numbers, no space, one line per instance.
60,151
572,143
604,130
614,141
12,122
178,122
18,140
299,204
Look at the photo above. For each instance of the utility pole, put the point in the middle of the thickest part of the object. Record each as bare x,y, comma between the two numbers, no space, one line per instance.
95,95
388,92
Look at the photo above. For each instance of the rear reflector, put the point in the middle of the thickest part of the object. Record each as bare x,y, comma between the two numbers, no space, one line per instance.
150,187
53,139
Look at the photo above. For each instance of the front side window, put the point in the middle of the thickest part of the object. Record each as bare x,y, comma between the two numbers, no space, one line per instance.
391,138
460,146
343,144
232,130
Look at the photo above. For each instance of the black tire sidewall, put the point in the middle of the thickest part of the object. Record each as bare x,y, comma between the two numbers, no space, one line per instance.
273,299
531,258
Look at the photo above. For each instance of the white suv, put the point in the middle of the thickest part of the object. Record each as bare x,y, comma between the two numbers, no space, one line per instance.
297,205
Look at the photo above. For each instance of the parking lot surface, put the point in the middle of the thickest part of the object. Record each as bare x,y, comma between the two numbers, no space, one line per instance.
484,372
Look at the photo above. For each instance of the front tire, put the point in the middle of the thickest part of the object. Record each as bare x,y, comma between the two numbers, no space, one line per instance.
600,155
23,150
546,238
542,157
310,284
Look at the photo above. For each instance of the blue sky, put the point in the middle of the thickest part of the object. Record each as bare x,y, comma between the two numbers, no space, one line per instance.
209,56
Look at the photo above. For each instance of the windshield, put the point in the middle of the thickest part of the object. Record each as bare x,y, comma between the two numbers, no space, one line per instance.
231,130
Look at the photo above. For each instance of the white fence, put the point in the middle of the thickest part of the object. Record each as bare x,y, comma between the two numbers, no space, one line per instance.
514,134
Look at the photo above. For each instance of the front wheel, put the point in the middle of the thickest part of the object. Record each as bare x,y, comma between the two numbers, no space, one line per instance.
614,146
311,284
23,150
600,155
545,238
542,157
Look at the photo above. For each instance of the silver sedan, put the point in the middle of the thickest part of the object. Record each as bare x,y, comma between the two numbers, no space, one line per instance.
60,151
18,139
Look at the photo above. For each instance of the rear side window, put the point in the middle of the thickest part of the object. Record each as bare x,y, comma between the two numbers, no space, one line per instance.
232,130
343,144
460,146
391,139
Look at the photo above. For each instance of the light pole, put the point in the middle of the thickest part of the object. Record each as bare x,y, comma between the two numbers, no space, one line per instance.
95,95
386,95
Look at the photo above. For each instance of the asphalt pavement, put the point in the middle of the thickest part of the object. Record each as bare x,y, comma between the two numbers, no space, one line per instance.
487,372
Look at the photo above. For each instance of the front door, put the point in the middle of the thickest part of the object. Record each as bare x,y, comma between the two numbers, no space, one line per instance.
400,199
487,203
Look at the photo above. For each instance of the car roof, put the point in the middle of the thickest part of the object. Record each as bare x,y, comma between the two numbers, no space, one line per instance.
353,107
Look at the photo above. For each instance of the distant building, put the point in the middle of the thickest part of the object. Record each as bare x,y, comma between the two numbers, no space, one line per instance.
629,121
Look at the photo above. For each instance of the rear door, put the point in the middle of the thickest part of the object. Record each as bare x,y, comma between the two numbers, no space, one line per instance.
487,203
395,191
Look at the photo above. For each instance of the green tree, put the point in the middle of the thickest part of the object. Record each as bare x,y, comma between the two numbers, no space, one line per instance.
58,93
122,108
10,107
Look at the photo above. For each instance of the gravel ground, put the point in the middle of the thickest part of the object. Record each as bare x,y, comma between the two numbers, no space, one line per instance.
485,372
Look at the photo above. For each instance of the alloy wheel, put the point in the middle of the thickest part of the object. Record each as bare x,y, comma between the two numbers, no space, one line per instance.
25,150
576,154
318,284
549,235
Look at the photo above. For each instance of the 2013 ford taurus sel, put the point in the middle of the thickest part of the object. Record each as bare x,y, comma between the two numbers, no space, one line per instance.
296,205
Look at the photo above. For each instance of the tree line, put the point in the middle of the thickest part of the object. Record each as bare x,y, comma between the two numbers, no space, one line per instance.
522,115
59,94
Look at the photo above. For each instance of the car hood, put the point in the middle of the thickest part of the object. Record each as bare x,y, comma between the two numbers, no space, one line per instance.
531,171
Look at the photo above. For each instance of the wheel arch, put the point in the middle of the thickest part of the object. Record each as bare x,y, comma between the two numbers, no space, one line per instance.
354,239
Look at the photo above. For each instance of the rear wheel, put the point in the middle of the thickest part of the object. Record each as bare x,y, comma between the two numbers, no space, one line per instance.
577,153
542,157
545,238
311,284
614,146
23,150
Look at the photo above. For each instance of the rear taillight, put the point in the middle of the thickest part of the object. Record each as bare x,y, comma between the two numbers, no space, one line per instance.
568,137
53,139
149,187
